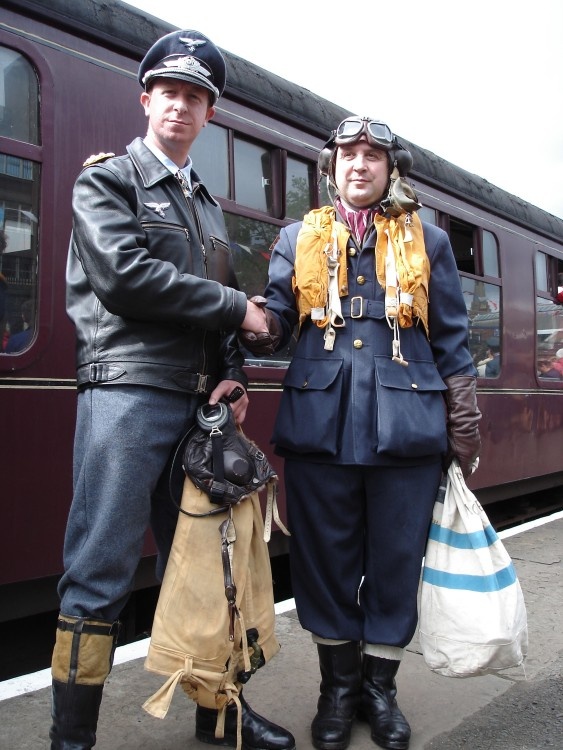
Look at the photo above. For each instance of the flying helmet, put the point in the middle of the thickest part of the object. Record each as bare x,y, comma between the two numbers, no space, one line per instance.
401,196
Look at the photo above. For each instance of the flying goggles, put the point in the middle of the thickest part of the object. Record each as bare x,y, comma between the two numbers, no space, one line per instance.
377,133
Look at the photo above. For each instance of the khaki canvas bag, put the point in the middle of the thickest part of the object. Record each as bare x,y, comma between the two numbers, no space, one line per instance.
208,636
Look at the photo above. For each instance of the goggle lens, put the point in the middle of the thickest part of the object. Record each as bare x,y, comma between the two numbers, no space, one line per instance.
377,133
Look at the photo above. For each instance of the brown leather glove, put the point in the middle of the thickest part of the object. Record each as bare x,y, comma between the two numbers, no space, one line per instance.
262,344
463,415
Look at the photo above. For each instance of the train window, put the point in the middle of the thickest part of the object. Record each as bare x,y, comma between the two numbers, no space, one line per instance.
549,319
19,98
462,238
210,157
251,241
483,302
490,254
253,175
542,272
19,181
299,184
427,214
549,348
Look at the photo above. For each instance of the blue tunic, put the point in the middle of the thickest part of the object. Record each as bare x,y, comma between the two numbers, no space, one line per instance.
354,405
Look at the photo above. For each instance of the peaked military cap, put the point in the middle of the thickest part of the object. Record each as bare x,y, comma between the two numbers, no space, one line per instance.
189,56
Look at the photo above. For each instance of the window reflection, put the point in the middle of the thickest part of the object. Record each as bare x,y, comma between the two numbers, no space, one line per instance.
483,302
19,179
298,188
549,339
210,158
19,204
490,254
250,244
253,176
251,241
19,98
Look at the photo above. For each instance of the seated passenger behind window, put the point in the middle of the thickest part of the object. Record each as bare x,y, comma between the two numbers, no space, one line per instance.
19,341
546,369
558,363
492,367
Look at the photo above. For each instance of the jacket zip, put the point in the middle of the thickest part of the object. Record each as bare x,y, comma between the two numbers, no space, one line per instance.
191,206
195,216
160,224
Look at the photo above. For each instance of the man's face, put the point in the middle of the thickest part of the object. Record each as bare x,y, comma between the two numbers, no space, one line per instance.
177,111
361,173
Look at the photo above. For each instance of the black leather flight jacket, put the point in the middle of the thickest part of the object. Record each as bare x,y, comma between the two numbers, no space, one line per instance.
151,286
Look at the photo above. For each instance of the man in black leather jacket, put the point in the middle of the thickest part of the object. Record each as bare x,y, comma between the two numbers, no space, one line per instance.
153,295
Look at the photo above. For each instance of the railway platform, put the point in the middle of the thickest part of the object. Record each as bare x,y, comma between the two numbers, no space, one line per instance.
520,710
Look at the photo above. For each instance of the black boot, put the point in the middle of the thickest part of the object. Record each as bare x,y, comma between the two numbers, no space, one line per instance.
82,659
257,733
341,675
389,728
75,710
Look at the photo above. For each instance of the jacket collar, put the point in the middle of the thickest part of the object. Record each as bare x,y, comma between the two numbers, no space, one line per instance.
153,171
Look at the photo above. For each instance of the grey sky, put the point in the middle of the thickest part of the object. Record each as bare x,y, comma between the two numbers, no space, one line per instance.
478,83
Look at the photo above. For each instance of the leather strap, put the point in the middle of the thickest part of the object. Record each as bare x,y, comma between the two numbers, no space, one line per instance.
83,626
134,372
218,485
230,587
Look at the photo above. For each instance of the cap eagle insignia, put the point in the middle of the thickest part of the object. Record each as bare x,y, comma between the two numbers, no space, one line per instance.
192,44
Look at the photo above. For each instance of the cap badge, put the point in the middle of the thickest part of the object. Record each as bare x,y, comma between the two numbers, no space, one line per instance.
158,208
191,44
189,64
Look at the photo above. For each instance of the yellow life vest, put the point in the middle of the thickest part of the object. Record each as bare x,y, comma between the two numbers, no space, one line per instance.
400,245
319,238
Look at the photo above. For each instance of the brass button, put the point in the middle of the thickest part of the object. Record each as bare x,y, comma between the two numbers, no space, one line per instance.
361,279
414,385
352,251
305,384
358,343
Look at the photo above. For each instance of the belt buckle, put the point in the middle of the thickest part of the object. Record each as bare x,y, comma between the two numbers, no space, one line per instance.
201,383
361,313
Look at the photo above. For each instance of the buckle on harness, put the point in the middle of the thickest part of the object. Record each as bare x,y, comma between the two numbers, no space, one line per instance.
360,301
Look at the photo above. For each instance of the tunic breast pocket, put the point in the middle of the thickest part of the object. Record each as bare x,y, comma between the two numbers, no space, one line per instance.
309,416
410,415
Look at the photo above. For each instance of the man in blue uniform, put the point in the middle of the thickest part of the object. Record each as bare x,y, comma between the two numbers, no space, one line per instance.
152,292
379,395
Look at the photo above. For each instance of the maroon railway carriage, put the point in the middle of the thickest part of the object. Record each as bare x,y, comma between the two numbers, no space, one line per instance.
68,89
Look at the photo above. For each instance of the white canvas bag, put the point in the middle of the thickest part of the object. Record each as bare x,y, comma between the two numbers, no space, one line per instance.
472,611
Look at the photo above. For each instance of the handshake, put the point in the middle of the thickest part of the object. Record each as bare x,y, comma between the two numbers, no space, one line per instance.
260,332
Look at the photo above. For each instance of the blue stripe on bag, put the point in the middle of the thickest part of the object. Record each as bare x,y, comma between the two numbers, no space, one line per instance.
475,540
494,582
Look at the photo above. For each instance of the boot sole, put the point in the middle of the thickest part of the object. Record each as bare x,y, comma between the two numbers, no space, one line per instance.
228,742
400,745
330,745
391,745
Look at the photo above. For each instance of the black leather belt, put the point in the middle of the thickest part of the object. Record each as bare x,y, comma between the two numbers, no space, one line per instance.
358,307
159,376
